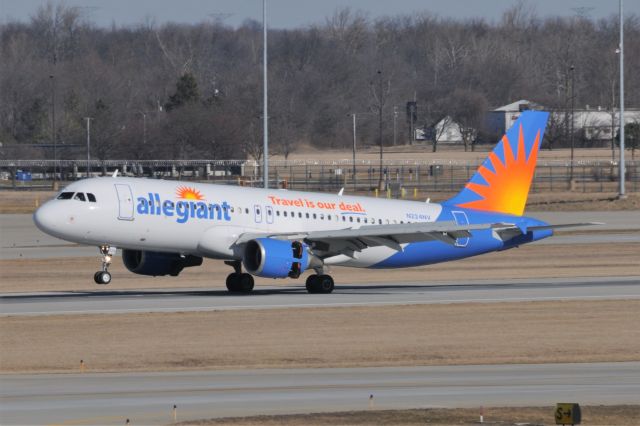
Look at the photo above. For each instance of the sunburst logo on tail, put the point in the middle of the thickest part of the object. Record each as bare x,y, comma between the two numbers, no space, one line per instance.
187,193
507,179
501,184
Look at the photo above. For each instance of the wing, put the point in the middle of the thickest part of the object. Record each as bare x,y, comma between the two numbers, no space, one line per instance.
348,241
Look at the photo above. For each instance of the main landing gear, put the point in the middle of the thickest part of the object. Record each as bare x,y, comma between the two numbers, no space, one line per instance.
237,281
320,283
103,276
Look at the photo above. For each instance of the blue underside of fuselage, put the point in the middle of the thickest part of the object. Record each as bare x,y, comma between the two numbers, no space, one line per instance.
481,241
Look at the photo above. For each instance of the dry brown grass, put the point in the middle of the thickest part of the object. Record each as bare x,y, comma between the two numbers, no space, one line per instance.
497,333
591,415
26,275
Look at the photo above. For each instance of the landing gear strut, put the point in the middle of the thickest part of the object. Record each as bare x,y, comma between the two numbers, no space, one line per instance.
237,281
319,284
103,276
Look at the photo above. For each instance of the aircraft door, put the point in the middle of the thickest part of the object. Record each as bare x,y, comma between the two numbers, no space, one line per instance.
125,201
461,219
257,213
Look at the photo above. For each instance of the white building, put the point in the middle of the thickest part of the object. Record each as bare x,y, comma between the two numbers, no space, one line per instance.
592,123
445,131
502,118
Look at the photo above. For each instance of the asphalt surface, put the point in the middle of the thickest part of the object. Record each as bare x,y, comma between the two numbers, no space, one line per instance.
181,300
148,398
21,239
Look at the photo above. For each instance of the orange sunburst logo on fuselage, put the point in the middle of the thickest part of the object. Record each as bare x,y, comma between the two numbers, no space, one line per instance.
187,193
508,183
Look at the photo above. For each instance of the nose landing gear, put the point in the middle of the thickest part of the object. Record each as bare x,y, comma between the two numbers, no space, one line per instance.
103,276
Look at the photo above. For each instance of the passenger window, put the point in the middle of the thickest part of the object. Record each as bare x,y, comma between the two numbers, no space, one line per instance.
344,218
284,213
358,220
80,197
65,196
246,211
277,212
293,214
350,218
91,197
300,215
314,215
328,217
307,215
380,221
321,216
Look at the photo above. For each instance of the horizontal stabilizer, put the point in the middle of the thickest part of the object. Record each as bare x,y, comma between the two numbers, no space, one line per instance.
507,231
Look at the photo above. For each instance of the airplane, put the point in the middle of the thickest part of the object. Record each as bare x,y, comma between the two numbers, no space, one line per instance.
164,226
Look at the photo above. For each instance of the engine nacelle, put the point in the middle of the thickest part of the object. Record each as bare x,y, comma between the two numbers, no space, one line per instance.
266,257
156,263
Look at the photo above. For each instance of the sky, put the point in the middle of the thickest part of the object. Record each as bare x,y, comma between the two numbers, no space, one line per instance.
301,13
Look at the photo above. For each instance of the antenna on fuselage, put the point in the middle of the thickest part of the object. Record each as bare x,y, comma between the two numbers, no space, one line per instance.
115,174
341,192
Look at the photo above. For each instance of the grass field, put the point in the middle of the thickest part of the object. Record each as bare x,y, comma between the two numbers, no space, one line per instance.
490,333
621,415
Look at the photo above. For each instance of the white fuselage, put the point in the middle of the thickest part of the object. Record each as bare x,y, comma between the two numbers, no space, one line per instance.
205,219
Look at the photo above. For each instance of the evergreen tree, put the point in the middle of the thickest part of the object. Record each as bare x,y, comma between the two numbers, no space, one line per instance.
186,92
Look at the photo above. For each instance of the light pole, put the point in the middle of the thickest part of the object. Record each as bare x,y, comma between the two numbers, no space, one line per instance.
621,194
379,97
573,103
265,116
354,152
395,128
88,145
53,130
353,116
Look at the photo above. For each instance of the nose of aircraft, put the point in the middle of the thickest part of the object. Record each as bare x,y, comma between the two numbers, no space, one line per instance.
45,218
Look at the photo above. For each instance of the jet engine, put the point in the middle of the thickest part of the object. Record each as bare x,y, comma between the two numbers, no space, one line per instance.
267,257
156,263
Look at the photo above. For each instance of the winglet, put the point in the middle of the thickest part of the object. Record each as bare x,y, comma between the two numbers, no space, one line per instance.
115,174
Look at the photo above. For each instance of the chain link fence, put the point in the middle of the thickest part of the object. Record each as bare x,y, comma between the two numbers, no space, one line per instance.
398,178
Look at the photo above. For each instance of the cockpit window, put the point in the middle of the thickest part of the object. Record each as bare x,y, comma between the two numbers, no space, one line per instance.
80,197
91,197
65,196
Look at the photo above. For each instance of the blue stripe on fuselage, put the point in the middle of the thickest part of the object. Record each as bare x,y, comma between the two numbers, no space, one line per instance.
482,241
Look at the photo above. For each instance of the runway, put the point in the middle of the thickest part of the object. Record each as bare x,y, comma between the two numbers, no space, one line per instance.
190,300
22,240
148,398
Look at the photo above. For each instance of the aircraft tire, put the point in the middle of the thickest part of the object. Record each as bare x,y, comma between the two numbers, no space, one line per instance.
232,282
245,283
325,284
311,284
320,284
102,277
